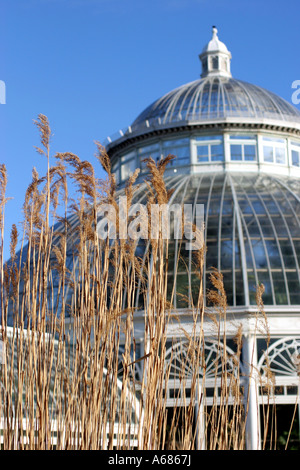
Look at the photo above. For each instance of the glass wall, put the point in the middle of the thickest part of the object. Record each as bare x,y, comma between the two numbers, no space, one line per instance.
180,148
202,150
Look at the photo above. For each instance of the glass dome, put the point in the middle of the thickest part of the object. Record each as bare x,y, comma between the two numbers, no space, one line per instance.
217,97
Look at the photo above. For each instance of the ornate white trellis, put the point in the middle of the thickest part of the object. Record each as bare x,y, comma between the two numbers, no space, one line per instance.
279,369
181,360
181,354
282,358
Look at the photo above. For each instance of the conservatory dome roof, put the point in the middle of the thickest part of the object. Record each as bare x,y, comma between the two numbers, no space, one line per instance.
215,98
218,97
252,226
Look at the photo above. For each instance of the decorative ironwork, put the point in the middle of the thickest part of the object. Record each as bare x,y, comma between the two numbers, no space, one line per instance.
282,359
210,355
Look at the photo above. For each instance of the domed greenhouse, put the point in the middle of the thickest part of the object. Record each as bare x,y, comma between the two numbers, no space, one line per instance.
237,149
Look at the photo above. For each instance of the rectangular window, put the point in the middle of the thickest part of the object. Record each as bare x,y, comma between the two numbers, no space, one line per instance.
274,150
250,153
115,170
152,151
243,148
180,148
128,156
295,150
295,158
209,149
236,153
202,153
241,137
280,155
128,165
216,152
268,153
127,169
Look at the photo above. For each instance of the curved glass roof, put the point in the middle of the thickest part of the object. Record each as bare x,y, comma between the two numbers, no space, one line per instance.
217,97
252,236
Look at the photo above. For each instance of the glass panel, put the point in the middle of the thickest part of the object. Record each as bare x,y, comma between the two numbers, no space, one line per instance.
252,286
239,288
295,158
297,249
266,227
226,254
249,152
180,148
228,286
294,288
128,156
288,254
279,288
280,155
212,254
268,153
237,256
115,167
182,290
152,151
182,154
175,143
264,278
259,254
202,153
216,153
241,137
208,137
115,171
236,152
271,139
273,252
127,169
195,287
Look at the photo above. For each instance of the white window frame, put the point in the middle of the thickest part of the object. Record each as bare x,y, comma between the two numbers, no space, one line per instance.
271,142
242,142
296,148
208,142
125,160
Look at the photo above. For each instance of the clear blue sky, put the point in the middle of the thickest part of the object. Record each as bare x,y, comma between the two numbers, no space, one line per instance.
93,65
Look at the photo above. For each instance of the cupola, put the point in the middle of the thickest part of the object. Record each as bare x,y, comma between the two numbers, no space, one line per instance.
215,57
